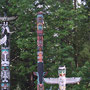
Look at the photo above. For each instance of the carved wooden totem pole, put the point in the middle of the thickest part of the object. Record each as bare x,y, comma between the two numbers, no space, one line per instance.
40,72
40,67
5,53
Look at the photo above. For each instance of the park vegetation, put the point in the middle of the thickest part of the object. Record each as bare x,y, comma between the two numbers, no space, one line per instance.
66,41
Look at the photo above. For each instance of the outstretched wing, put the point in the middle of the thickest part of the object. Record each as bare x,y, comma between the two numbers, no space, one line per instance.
3,40
51,80
11,18
73,80
1,18
8,18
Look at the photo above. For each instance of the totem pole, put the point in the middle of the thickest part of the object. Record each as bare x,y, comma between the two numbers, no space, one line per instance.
40,71
62,80
5,53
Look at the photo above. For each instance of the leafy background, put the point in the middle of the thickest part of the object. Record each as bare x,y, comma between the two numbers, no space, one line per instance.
66,41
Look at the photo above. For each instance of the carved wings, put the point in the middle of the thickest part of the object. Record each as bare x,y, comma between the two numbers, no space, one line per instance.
73,80
51,80
7,18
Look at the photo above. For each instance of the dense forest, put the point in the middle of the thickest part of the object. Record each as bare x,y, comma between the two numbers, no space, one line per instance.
66,41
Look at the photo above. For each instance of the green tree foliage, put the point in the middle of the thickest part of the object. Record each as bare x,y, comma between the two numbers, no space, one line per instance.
66,41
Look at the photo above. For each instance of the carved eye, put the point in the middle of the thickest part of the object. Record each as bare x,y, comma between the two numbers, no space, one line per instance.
3,60
7,68
6,78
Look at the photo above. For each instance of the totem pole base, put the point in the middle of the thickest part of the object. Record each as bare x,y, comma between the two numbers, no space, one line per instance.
40,87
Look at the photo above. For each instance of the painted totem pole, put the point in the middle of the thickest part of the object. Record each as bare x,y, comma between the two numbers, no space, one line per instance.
62,80
5,53
40,71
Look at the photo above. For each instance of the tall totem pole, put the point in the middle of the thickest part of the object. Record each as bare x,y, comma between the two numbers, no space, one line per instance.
5,53
40,73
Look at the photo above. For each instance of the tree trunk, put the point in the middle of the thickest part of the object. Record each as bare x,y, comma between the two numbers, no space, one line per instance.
75,55
75,4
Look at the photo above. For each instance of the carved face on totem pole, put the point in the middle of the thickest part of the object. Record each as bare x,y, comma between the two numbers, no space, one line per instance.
62,71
